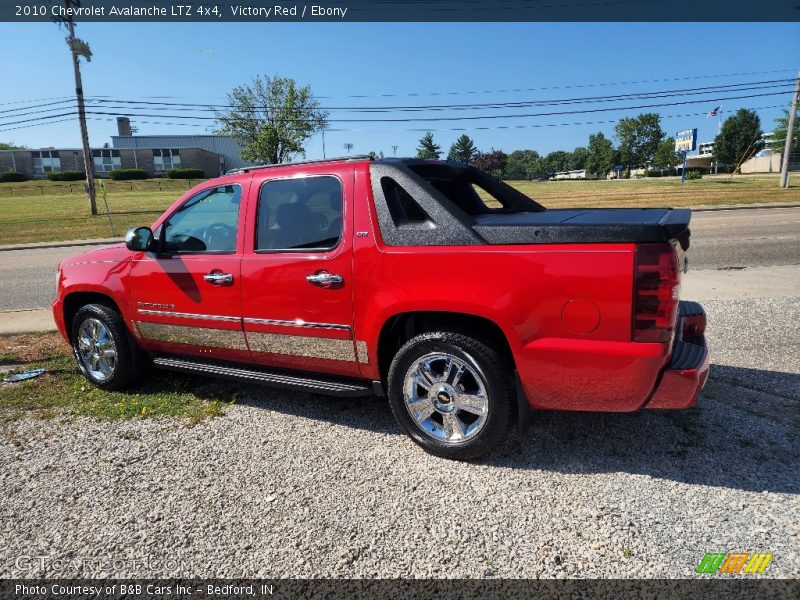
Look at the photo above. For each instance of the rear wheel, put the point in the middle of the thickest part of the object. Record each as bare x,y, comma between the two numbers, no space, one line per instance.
452,394
106,354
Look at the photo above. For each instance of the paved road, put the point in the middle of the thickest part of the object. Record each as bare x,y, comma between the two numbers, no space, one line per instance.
720,239
745,238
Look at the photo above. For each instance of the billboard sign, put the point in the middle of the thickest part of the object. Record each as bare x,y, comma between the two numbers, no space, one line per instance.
686,140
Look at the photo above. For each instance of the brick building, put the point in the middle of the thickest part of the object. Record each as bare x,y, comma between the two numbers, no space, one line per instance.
153,161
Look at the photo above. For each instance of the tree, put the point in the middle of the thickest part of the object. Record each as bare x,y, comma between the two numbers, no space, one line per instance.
557,161
493,162
577,159
428,148
739,138
525,163
463,150
779,134
271,119
13,146
601,156
638,138
665,156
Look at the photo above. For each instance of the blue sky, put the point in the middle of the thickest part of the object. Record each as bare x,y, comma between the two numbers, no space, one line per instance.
201,62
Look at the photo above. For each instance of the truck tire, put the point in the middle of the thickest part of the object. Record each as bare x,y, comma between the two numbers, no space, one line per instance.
452,394
105,352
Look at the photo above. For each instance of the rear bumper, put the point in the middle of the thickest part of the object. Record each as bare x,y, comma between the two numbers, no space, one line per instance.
687,373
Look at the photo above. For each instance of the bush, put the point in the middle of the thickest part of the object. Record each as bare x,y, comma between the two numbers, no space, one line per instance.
693,174
125,174
186,174
13,177
65,175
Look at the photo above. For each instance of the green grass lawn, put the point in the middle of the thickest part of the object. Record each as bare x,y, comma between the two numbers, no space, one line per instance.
711,190
63,391
42,211
39,211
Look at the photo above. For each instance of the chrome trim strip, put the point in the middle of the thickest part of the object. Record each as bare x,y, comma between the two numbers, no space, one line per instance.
232,339
297,323
361,352
180,315
298,345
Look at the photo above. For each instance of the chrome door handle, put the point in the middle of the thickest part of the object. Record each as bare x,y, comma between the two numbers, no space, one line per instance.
324,280
218,278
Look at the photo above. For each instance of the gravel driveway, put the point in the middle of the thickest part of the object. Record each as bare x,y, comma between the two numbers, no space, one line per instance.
291,485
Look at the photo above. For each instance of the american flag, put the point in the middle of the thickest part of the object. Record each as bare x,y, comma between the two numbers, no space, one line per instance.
713,113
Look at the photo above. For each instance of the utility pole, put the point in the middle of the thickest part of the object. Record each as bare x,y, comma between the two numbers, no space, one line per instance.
789,135
88,163
323,144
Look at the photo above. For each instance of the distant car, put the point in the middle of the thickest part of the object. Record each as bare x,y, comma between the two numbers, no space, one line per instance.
462,299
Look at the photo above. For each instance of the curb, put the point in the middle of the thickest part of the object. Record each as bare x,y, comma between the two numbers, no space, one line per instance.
766,205
31,320
64,244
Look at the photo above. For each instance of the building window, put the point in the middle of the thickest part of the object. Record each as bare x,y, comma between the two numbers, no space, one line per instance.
166,159
106,161
46,161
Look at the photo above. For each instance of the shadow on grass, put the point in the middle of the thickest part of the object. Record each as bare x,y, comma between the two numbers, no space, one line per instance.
723,442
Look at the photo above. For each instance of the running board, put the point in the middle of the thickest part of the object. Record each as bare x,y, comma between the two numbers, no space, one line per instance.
329,385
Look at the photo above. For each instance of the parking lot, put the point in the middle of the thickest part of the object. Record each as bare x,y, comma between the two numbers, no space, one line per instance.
292,485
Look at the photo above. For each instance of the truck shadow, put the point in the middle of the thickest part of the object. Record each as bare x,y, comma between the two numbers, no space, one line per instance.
744,434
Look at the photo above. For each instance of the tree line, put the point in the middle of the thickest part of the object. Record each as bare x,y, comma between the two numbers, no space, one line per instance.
641,143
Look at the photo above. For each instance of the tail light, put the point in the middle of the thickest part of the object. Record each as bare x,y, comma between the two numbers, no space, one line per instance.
656,292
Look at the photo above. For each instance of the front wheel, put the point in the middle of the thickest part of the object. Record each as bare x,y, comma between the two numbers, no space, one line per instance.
105,353
452,394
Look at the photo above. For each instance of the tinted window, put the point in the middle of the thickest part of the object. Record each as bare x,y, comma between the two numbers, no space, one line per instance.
304,213
206,222
402,207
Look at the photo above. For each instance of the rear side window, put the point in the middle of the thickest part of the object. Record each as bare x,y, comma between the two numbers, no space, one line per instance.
402,207
304,213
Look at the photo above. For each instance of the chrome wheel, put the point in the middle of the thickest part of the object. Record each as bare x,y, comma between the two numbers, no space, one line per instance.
97,350
446,397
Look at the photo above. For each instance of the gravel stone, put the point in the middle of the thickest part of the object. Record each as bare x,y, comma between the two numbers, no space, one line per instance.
293,485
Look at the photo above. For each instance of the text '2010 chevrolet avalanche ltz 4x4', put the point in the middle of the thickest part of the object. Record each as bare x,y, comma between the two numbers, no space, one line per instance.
464,301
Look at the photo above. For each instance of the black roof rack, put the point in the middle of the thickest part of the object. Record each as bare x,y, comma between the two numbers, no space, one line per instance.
301,162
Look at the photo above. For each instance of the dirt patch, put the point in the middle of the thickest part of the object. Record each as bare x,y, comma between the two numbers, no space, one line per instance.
32,347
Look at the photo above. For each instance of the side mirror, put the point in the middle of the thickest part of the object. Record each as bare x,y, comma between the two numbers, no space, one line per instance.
140,239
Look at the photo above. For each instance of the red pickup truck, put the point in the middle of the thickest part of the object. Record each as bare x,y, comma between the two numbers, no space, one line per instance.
464,301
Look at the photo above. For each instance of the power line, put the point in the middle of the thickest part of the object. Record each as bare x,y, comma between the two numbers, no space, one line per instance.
124,109
430,119
461,118
197,107
471,128
544,88
15,110
121,104
473,92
